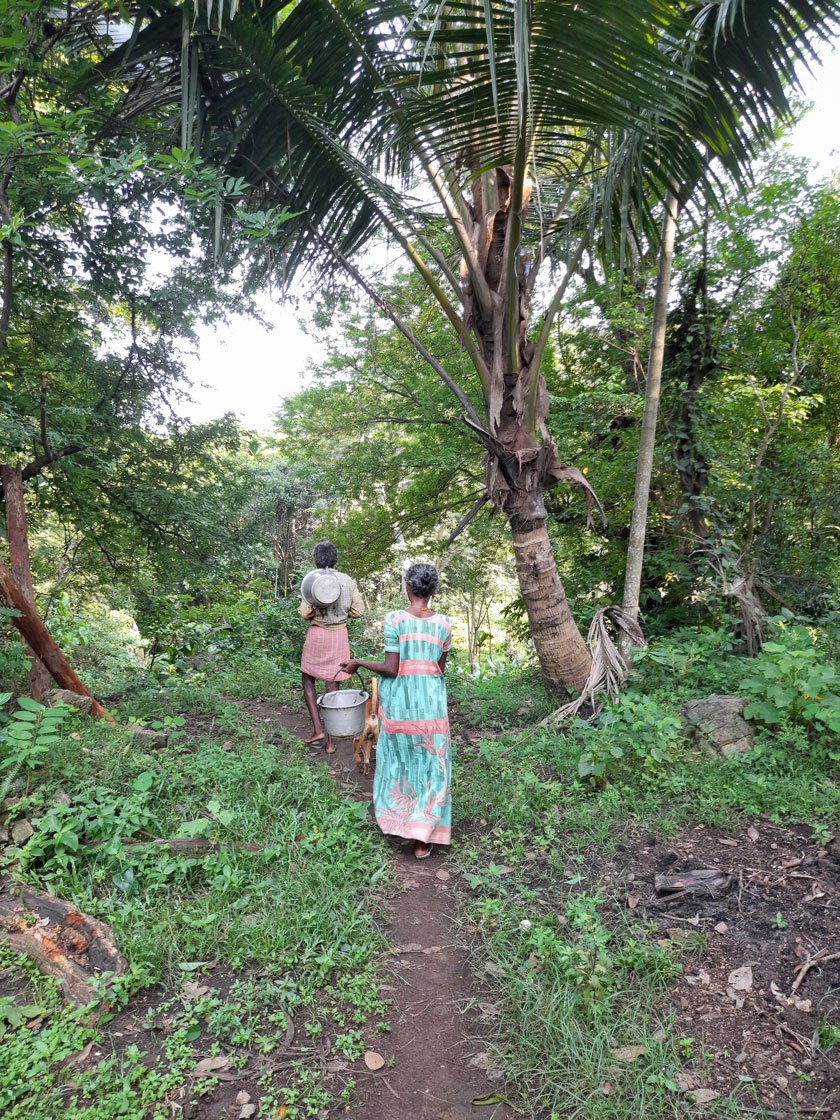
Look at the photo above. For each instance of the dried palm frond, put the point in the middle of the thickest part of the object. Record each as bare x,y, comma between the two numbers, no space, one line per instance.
609,669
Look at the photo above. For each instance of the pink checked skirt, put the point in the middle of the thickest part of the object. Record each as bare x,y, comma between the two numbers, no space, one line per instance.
323,652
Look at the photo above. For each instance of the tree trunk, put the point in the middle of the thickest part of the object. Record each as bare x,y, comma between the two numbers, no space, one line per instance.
66,944
36,634
563,654
647,445
522,461
38,677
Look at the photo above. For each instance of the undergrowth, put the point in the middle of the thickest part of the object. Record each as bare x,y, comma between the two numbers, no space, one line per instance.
582,1033
282,888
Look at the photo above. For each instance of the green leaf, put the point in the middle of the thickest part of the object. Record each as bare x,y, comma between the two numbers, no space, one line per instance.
20,732
761,709
144,781
491,1099
30,705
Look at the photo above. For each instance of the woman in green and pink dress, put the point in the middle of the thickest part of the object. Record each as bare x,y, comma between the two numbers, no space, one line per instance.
411,788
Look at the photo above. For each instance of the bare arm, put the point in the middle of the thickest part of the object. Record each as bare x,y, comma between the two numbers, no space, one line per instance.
387,668
442,660
306,610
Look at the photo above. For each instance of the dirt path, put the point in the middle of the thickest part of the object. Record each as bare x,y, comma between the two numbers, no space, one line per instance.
435,1039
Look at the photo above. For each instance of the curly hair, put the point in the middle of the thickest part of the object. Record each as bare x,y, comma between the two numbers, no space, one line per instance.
422,580
325,555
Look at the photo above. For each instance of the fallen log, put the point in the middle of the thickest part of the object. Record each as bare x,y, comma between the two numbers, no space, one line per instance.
709,881
183,846
66,944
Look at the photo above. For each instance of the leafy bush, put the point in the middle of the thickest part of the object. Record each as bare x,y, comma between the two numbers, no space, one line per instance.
26,736
634,731
104,645
688,658
228,618
792,680
13,660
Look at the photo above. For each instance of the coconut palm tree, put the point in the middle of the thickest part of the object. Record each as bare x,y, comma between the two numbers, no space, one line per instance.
486,138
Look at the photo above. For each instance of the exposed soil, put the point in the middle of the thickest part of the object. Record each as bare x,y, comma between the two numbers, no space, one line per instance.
762,959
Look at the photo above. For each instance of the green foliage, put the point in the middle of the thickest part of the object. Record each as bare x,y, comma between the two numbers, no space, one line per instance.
13,1014
792,679
289,864
27,736
13,660
633,731
828,1036
229,618
578,978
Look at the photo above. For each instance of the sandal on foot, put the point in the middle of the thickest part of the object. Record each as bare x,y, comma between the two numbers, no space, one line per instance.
421,850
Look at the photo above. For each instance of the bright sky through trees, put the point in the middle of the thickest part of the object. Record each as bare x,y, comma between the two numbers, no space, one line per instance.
246,368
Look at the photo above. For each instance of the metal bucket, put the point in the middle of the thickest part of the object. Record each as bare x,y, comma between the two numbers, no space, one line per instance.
343,712
320,588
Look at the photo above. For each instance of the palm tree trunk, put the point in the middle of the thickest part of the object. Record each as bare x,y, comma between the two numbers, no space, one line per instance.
10,476
562,652
647,445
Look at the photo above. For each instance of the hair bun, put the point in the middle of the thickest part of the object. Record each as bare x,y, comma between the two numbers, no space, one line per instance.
422,580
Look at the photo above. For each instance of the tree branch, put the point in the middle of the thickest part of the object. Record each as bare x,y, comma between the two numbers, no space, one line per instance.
38,465
471,513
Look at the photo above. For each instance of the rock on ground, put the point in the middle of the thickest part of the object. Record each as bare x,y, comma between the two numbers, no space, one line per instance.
718,721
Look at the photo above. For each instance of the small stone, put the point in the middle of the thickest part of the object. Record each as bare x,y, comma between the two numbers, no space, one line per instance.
721,927
247,1111
147,739
717,722
242,1097
703,1096
21,831
525,924
74,699
444,876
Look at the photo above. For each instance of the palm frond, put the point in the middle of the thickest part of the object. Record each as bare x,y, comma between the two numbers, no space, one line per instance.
331,106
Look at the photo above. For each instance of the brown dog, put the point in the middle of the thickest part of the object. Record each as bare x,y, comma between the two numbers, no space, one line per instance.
366,742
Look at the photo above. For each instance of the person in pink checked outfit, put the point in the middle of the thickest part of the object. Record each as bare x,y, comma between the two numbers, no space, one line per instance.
411,787
327,644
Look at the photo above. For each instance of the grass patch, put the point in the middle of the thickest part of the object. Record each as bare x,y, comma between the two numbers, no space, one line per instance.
578,982
286,892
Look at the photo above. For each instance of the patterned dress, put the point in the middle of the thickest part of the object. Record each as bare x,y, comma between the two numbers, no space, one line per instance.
411,788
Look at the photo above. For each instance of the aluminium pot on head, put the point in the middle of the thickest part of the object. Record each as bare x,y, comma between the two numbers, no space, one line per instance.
320,588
